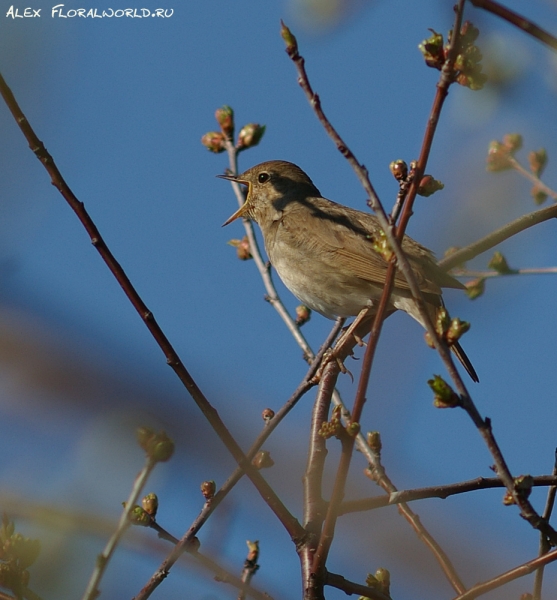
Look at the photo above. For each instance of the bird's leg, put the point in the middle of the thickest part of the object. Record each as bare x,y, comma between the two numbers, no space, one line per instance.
344,345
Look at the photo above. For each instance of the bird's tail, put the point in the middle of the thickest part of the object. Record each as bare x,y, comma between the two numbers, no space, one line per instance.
461,355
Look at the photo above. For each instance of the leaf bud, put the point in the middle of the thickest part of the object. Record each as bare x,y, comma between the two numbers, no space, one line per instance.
303,314
214,141
225,118
150,504
250,135
242,248
267,414
399,169
263,460
208,489
444,396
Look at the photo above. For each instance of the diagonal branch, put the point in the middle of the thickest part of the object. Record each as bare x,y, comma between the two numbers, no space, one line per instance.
517,20
291,524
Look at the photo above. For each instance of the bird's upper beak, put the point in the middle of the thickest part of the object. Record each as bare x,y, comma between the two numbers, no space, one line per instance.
240,212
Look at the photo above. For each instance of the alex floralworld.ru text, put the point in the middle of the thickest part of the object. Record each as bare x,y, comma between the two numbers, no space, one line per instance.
90,13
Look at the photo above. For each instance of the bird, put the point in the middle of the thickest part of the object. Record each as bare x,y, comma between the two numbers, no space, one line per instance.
325,253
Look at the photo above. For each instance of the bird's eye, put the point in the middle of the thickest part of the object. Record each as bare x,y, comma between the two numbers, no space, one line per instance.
263,177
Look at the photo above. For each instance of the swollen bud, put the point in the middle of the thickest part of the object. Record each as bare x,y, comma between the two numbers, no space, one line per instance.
289,39
374,441
433,51
444,396
242,248
303,314
399,169
499,263
214,141
429,185
250,135
225,118
267,414
208,489
475,288
537,160
498,157
150,504
263,460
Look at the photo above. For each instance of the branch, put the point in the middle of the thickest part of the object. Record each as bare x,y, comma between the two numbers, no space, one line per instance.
437,491
518,21
504,578
287,519
498,236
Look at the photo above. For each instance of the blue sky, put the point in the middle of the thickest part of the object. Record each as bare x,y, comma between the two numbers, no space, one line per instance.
121,104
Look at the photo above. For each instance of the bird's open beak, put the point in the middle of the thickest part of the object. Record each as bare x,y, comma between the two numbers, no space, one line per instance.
240,212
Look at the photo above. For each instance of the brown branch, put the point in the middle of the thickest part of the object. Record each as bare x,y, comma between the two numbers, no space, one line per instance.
545,546
517,20
379,475
183,544
504,578
498,236
437,491
287,519
349,587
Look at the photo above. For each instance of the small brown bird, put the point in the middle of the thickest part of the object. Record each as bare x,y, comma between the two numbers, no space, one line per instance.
324,252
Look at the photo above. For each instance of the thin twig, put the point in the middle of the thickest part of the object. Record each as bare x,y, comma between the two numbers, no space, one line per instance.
263,267
538,183
378,474
504,578
185,543
492,274
437,491
92,589
498,236
545,546
350,587
517,20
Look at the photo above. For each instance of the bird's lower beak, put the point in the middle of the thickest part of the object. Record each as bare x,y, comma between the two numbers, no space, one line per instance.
241,211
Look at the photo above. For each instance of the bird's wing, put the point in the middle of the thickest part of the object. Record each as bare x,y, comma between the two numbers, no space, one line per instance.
350,241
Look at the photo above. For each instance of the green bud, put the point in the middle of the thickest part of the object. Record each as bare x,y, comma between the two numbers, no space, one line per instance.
352,429
150,504
475,288
444,396
374,441
433,51
538,195
537,160
289,39
138,516
499,263
513,142
456,330
429,185
497,157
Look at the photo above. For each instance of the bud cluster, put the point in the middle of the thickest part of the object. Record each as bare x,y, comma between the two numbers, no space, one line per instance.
380,581
216,141
467,67
17,554
451,330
